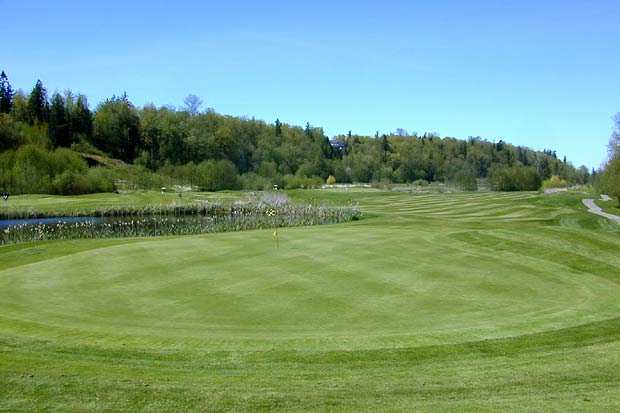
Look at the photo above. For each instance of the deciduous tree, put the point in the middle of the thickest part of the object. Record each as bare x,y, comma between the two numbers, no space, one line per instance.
192,104
117,128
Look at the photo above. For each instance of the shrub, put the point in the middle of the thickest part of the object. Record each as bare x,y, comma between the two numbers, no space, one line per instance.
9,135
253,181
101,179
33,169
217,175
516,179
65,183
555,182
301,181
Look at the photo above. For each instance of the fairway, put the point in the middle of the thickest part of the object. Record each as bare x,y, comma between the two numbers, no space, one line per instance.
464,301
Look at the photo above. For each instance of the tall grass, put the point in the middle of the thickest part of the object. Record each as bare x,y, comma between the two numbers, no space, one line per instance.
177,219
173,209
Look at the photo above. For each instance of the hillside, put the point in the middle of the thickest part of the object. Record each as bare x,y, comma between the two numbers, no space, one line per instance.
213,151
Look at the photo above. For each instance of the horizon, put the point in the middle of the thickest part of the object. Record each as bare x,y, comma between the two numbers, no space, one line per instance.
539,76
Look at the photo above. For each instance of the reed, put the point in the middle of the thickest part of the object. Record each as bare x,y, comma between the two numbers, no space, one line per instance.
181,219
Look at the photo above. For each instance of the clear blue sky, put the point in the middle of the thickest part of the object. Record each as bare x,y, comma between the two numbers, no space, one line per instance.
544,74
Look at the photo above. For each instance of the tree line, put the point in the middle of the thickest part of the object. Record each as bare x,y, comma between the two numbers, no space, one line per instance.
214,151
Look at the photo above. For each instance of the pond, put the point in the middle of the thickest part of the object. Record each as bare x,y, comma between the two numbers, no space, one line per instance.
6,223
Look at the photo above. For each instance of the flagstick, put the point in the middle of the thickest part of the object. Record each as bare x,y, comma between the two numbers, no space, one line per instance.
272,213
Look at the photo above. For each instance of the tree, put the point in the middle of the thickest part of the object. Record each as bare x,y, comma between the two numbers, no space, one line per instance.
610,178
81,120
278,130
19,110
525,178
462,174
613,147
59,130
192,104
583,175
6,94
9,137
385,148
217,175
38,106
544,168
116,128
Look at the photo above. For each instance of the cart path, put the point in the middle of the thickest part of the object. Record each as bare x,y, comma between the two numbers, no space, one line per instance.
595,209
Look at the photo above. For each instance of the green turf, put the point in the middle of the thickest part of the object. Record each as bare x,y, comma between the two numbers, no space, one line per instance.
453,302
94,201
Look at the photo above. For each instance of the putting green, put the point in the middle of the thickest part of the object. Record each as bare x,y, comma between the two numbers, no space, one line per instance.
366,285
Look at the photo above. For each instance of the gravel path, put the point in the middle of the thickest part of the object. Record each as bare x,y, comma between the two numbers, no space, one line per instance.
595,209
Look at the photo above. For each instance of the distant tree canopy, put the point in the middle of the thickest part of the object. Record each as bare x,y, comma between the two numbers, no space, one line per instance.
214,151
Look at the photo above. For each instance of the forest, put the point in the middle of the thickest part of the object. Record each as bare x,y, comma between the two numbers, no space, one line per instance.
58,144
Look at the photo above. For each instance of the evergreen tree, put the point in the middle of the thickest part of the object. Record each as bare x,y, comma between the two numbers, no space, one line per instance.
544,168
38,106
81,120
278,128
59,131
385,148
327,149
6,94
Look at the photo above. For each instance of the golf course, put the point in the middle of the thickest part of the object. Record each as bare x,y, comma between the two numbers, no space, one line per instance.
464,301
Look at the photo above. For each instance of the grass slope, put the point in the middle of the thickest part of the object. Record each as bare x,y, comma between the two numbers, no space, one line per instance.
472,302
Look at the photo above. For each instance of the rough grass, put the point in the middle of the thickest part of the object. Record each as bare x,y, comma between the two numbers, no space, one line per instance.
454,302
611,207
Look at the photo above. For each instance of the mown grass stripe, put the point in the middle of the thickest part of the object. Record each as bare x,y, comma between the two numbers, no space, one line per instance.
449,302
